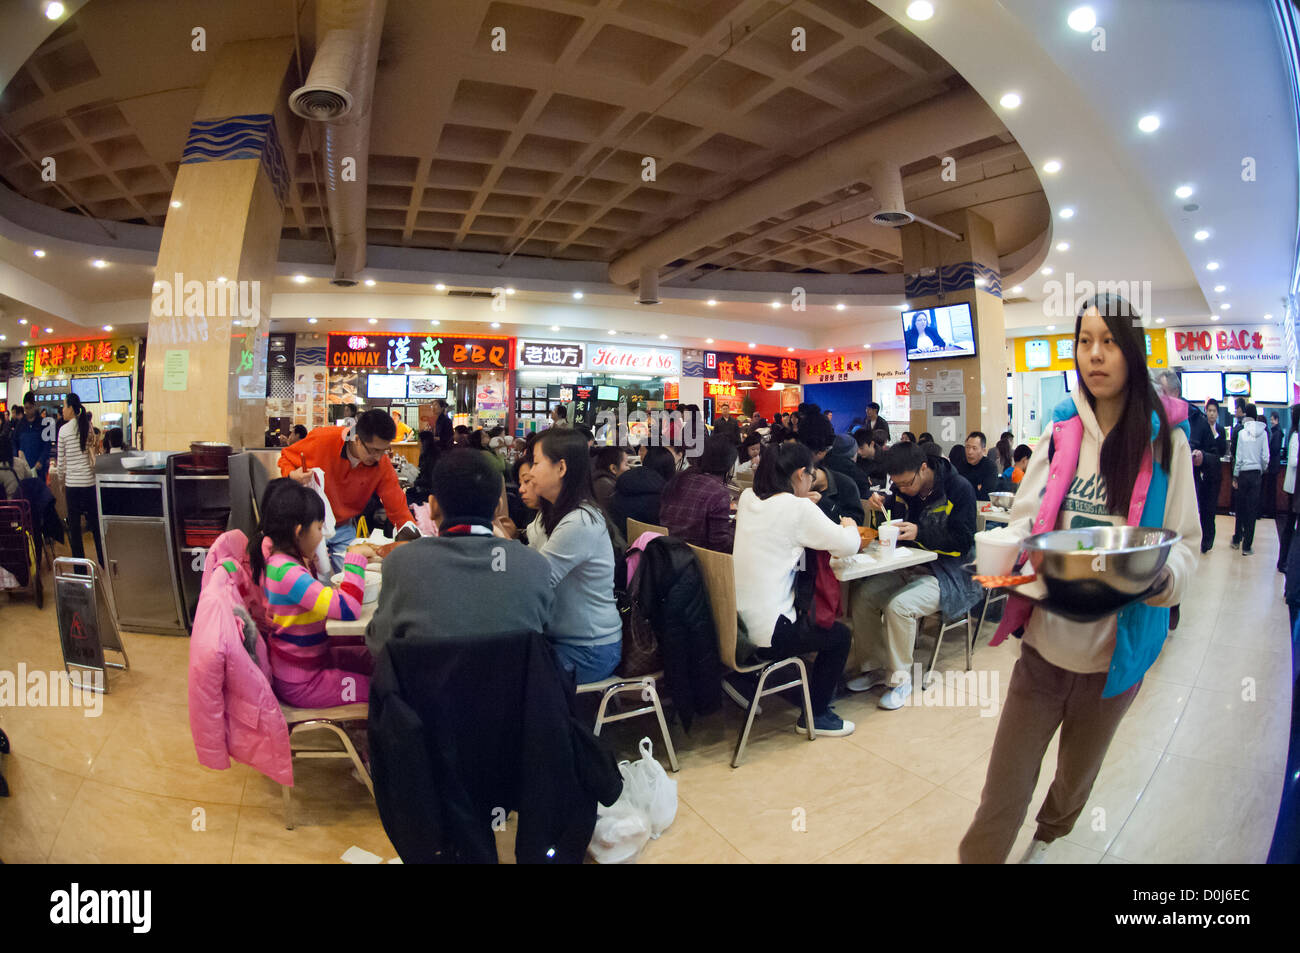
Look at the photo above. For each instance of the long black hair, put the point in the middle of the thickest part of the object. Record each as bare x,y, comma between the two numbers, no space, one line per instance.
430,451
777,467
82,417
1124,447
287,507
564,443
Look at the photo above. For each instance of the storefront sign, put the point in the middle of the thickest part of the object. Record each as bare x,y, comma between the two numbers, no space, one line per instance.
547,355
664,362
1056,353
762,369
716,389
1249,346
400,352
73,358
838,368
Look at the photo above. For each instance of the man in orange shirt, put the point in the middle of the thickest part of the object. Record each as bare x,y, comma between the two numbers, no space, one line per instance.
355,468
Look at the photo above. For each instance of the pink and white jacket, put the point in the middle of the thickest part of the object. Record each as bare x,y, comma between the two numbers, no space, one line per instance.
233,711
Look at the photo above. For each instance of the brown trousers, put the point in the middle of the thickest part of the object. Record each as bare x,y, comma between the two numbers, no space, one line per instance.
1039,698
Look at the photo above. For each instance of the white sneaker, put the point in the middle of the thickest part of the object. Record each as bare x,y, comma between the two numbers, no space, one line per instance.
895,697
1036,853
868,680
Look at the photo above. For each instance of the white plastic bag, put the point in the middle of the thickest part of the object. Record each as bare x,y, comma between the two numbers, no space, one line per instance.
647,784
621,833
325,570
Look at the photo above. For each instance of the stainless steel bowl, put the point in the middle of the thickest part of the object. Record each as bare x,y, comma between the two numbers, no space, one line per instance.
1098,568
1002,501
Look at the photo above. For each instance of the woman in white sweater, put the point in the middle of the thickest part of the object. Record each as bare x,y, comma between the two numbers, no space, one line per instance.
775,521
1081,677
77,470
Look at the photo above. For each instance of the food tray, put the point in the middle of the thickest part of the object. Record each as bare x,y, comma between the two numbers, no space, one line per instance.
1071,614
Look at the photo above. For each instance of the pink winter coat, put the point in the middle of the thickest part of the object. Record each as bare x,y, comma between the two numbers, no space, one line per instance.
233,712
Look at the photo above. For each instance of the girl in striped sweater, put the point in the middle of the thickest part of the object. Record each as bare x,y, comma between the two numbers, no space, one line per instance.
307,671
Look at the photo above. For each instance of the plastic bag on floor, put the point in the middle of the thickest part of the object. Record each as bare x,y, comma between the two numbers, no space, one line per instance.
621,833
647,784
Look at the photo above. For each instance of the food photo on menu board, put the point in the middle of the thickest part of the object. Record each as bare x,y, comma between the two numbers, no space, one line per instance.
426,386
344,388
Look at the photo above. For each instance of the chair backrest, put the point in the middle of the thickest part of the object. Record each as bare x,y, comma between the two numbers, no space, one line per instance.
720,582
635,528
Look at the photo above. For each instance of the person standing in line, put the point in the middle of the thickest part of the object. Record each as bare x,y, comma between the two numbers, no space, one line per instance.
1117,456
76,467
1290,514
1268,493
31,438
875,421
1207,458
1249,465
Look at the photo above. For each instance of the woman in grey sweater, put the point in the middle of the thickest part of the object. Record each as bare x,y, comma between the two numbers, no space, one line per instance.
585,628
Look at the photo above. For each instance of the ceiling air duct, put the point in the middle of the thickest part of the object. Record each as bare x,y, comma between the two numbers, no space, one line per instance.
887,187
326,94
648,287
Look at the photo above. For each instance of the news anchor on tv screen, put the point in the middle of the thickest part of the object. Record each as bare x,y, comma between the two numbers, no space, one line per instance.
920,335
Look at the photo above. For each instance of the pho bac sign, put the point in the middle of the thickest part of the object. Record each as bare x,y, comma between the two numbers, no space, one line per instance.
550,356
1256,346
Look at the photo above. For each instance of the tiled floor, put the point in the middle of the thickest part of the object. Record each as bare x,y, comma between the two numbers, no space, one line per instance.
1194,774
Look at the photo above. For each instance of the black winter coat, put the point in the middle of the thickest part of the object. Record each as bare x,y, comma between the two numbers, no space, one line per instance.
672,595
464,729
636,496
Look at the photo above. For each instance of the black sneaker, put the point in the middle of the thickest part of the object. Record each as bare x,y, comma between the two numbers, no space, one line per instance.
827,723
1248,552
1236,544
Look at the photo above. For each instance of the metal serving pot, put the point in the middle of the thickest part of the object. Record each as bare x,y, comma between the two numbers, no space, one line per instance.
1099,568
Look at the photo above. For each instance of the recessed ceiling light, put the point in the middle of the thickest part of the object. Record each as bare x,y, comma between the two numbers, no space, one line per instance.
99,263
980,282
1268,317
867,346
3,338
108,327
776,304
1066,212
903,306
1214,317
1046,271
1201,234
311,320
300,279
510,291
1212,266
830,350
1184,191
22,320
920,10
1062,246
39,252
751,343
496,324
789,349
1082,19
435,321
221,279
1052,166
1160,320
663,337
176,203
1149,123
577,295
23,343
53,10
370,282
440,287
1222,307
555,327
612,331
840,306
1220,288
1010,100
49,330
374,321
1017,289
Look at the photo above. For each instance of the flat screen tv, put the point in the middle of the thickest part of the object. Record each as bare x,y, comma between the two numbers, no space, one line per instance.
116,389
1269,387
87,388
1200,386
939,332
1236,385
426,386
606,392
386,386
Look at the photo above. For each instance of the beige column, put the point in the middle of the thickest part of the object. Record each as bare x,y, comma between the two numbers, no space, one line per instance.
947,271
205,334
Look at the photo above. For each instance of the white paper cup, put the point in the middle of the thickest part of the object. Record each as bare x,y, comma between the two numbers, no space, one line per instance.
995,553
888,539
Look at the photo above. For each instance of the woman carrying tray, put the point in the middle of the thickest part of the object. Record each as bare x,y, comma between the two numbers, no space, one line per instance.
1118,455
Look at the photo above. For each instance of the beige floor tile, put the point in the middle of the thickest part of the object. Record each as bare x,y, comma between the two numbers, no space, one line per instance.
795,800
1112,859
64,738
1124,775
321,834
933,742
1221,728
39,799
1263,629
968,783
108,824
1231,669
151,753
1179,661
690,840
316,781
1193,812
1152,718
1060,852
925,832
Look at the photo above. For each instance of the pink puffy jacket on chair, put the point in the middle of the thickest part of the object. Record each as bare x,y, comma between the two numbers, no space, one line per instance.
233,712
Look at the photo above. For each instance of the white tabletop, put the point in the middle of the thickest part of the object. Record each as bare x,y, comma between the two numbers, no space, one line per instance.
993,516
871,561
358,627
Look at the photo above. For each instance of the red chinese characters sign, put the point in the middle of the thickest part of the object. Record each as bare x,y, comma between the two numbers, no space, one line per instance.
108,356
764,370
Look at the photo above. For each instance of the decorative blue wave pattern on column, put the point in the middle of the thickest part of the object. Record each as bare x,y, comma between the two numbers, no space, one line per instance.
240,137
958,277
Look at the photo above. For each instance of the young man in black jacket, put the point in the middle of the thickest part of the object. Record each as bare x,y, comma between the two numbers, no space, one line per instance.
938,511
977,468
1209,443
838,493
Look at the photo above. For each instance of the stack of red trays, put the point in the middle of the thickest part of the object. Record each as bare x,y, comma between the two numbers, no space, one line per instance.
203,528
